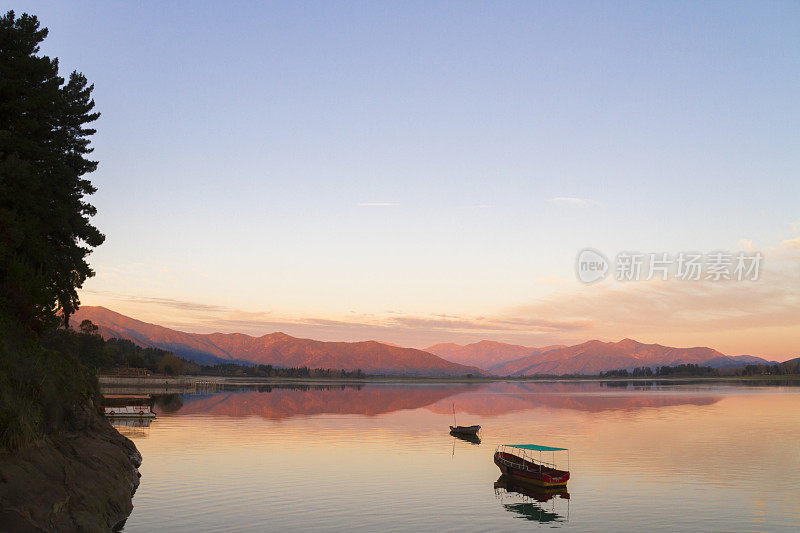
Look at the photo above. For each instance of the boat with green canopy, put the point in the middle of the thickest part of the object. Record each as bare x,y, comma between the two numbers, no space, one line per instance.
528,462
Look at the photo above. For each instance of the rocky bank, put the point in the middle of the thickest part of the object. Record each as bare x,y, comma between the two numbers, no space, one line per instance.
82,480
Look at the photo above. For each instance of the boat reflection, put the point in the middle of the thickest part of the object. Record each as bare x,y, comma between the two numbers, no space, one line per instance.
472,439
533,503
132,427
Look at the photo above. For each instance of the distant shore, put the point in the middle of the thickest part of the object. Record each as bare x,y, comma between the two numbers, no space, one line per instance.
175,383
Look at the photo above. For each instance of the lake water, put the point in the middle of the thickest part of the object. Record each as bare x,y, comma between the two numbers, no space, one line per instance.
378,457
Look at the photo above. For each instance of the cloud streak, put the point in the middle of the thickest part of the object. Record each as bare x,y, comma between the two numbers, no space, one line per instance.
171,303
792,244
579,203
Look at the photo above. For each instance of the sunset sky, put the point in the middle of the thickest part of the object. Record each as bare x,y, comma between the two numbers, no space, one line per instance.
421,173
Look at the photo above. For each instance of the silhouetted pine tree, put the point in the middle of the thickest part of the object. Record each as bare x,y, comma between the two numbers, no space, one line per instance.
45,233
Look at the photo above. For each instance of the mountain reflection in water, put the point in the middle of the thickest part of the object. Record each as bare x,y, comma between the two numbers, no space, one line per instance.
276,402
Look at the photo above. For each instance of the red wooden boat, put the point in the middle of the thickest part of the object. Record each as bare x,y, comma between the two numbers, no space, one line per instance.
518,462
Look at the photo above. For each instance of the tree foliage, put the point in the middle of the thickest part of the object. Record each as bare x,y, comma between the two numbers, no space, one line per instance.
43,391
269,371
100,355
45,229
682,370
791,367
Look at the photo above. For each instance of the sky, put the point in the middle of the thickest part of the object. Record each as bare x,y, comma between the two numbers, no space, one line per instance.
428,172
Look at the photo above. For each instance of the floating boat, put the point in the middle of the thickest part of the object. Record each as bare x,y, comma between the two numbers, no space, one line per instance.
518,462
457,430
127,406
465,430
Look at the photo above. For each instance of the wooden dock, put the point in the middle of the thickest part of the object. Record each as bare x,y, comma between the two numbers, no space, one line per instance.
158,384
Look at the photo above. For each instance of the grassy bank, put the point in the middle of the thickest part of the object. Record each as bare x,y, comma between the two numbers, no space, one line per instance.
42,391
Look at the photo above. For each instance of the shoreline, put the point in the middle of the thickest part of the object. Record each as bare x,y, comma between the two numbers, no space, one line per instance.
172,383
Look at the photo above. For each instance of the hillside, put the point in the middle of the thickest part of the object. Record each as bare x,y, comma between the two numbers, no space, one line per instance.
277,349
595,356
484,354
372,357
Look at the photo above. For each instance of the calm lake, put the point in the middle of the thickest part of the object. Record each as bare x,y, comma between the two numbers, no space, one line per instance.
379,457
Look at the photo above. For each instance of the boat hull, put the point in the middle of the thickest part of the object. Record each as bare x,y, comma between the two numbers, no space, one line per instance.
546,477
465,430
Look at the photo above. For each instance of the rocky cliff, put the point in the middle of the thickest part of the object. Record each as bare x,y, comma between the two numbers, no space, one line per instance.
81,480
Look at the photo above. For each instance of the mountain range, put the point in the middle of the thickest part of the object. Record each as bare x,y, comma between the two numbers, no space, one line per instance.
277,349
373,357
485,354
595,356
590,357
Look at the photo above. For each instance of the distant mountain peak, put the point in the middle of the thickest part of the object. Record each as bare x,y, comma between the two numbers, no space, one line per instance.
484,354
278,336
445,345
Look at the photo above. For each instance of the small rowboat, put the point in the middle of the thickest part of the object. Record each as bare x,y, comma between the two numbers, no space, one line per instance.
517,461
465,430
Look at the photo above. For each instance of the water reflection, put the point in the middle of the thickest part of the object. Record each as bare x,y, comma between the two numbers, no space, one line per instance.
533,503
379,456
501,398
132,427
472,439
168,403
282,401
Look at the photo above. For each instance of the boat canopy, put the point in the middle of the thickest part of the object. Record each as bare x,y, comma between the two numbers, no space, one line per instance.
535,447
